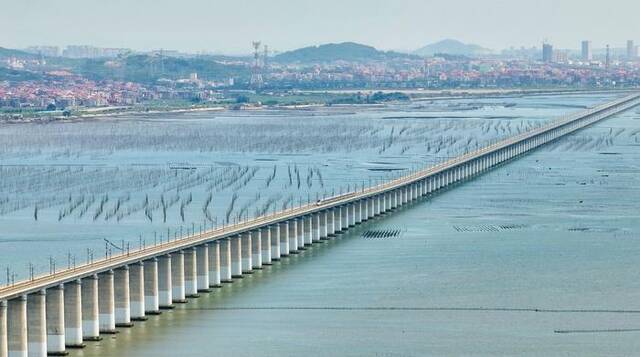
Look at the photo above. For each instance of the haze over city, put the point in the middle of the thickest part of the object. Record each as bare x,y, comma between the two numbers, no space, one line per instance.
228,26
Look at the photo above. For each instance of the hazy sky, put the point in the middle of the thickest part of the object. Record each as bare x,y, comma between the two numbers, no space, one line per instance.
230,25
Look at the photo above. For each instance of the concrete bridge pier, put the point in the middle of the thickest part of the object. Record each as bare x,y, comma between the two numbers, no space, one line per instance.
151,293
106,303
358,210
122,297
265,245
315,227
90,308
37,324
178,293
364,209
165,282
245,250
351,212
344,217
274,231
72,307
283,234
215,278
396,198
330,213
17,341
225,261
136,291
236,257
308,230
256,249
324,225
337,220
300,233
202,268
54,317
4,351
293,236
370,204
191,273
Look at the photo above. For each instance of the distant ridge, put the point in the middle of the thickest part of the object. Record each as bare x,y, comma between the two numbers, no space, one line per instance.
346,51
452,47
7,52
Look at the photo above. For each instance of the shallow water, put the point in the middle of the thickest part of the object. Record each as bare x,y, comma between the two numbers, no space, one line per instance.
65,188
537,257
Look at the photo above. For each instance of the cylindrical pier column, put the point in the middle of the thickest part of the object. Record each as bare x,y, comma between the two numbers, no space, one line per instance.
90,309
284,239
202,263
122,297
329,222
136,290
344,218
225,261
307,230
315,227
190,273
17,341
151,290
37,324
275,242
73,314
236,256
256,249
106,304
4,351
178,294
165,282
55,321
300,233
322,234
247,261
293,236
214,264
352,214
337,220
265,245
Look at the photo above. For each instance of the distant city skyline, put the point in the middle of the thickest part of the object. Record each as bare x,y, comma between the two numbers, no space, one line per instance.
230,26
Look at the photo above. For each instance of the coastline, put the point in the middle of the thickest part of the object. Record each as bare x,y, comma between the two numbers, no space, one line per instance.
427,95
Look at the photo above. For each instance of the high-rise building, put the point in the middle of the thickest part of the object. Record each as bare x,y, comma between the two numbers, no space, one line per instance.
587,54
632,50
547,53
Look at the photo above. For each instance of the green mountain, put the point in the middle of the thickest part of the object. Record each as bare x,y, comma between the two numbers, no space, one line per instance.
7,52
452,47
346,51
150,68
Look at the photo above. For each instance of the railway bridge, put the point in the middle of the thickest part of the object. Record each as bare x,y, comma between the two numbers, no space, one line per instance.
50,314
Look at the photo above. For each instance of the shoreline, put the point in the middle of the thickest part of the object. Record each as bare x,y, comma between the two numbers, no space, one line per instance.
114,112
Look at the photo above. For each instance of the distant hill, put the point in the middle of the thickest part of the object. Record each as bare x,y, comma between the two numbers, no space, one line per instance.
452,47
7,52
346,51
150,68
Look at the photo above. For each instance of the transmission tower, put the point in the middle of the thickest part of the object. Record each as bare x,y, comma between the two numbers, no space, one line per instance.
256,73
